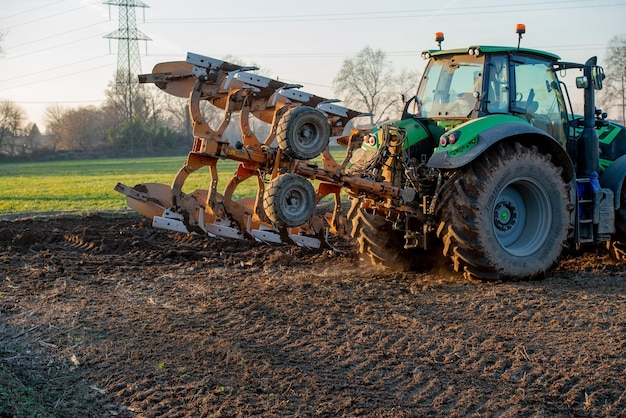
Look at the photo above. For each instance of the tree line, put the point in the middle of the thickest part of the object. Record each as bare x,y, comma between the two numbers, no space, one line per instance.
157,126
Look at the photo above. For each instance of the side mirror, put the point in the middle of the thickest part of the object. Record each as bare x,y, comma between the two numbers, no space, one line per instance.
597,76
582,82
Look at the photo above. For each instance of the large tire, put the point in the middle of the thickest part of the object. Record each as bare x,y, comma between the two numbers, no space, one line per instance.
506,215
377,240
289,200
303,133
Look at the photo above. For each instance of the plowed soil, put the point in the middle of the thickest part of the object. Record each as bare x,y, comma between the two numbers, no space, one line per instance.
109,317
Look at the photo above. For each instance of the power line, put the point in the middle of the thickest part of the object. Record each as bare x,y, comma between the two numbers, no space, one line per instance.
52,15
350,15
58,77
47,37
397,14
33,9
72,74
70,64
49,48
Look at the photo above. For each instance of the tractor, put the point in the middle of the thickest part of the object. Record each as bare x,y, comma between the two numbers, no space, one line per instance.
488,165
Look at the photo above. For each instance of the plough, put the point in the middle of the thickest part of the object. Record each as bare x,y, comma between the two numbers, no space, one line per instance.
301,123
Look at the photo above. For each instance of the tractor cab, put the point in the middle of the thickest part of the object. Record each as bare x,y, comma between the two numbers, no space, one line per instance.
464,84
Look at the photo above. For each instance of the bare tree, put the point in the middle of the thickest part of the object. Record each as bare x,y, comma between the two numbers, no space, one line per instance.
176,113
12,117
405,86
122,105
369,83
613,95
53,118
81,128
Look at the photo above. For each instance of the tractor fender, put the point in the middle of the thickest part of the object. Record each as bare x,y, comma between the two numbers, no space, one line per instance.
519,131
613,178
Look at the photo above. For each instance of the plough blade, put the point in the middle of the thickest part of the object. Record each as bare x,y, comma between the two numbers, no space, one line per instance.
175,78
153,201
148,199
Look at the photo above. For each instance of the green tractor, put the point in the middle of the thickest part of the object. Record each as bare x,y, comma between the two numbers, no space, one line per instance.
506,175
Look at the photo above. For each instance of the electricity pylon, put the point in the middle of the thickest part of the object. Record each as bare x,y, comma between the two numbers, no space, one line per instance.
128,58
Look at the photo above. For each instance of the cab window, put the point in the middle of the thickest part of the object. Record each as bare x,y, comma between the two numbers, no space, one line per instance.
498,85
538,97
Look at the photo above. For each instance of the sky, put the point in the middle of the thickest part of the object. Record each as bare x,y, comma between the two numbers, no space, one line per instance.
56,53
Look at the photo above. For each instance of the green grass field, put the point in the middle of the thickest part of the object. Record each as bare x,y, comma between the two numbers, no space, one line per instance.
87,185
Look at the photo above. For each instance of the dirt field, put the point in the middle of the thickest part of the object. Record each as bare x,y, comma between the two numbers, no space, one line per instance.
108,317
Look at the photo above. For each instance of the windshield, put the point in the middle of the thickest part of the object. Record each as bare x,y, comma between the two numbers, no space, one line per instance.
451,86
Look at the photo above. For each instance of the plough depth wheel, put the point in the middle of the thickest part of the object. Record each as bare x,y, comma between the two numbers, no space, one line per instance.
303,133
289,200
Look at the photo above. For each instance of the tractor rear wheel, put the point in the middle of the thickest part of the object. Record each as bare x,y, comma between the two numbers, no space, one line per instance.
506,216
303,133
289,200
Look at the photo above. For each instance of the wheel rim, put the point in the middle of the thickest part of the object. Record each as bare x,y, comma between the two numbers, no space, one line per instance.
295,204
522,217
308,137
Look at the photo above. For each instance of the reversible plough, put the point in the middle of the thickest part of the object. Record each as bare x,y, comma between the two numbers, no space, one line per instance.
284,208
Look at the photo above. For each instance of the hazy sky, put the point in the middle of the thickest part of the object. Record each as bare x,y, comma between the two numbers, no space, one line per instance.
55,51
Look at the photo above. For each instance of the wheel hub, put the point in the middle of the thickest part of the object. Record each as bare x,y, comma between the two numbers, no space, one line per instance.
505,215
294,203
307,133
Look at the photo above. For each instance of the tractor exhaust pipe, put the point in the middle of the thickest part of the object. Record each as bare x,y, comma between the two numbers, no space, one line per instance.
588,144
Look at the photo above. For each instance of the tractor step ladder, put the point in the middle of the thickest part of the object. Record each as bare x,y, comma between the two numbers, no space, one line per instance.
585,208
